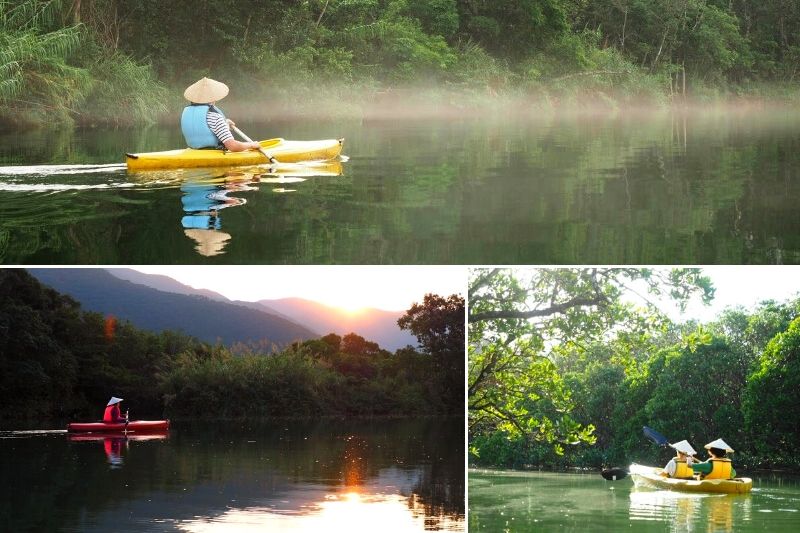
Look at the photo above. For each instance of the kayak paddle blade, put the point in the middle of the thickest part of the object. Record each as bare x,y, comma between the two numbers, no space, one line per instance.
613,474
655,436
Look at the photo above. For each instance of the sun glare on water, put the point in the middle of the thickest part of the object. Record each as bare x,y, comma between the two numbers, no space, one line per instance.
350,511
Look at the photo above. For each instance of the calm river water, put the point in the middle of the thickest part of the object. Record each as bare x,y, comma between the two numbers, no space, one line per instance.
655,189
545,501
388,476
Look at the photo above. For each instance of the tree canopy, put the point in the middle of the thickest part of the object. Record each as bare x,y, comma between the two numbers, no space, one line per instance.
567,365
522,322
109,60
57,361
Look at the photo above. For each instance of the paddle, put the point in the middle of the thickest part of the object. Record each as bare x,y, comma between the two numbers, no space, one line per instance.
655,436
613,474
248,139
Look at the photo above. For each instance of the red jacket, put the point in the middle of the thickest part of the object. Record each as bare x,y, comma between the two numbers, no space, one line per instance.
112,414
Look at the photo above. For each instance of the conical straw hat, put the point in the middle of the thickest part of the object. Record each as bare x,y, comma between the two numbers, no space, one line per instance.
206,91
113,400
685,447
719,443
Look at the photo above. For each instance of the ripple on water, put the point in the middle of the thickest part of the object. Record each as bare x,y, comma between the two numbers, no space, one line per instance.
50,170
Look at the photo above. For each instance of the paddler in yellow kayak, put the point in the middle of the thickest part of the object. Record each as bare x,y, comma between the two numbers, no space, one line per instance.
203,124
717,466
680,466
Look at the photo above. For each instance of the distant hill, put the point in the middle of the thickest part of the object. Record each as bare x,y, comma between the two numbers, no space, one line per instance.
372,324
163,283
156,310
168,284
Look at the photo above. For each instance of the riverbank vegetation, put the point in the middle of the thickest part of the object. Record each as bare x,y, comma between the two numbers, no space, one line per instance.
125,62
59,362
566,367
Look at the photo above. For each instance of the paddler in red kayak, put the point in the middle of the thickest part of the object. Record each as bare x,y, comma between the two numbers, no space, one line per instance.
112,414
203,124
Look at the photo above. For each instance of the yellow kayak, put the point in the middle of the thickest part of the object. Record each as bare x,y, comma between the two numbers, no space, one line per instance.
648,476
282,150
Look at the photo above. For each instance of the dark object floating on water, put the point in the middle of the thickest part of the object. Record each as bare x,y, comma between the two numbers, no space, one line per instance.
613,474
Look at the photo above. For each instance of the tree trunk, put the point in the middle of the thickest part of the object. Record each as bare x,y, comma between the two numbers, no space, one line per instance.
624,23
322,13
683,70
247,28
660,48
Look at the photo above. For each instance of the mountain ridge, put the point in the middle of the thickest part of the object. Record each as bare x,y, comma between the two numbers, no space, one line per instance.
314,319
152,309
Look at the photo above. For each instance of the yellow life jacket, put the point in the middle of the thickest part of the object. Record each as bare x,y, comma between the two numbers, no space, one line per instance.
682,470
720,469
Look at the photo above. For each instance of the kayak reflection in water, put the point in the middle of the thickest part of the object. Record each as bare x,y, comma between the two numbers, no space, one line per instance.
113,449
203,124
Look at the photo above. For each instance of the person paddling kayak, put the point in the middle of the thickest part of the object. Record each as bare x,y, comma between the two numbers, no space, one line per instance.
679,467
112,414
717,466
203,124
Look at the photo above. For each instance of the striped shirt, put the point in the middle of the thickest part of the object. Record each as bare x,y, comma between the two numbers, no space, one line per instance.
219,126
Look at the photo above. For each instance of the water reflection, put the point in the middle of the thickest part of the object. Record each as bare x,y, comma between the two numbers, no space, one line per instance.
651,189
115,445
202,203
295,476
113,449
205,192
501,500
342,511
684,512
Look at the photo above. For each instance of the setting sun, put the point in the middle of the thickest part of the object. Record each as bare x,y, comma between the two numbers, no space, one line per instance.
351,308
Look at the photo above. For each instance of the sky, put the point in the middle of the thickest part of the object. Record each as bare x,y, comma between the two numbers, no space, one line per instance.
741,285
395,288
391,288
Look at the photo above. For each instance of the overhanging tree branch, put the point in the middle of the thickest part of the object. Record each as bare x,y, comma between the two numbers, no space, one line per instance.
552,310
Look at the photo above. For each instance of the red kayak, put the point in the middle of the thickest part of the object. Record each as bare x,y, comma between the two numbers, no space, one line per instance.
134,426
99,437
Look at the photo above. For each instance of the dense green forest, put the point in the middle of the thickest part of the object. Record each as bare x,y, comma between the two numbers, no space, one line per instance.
59,362
565,369
114,61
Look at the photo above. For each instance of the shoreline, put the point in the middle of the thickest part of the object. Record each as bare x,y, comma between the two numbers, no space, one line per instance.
595,470
27,425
